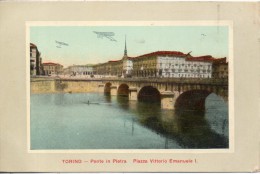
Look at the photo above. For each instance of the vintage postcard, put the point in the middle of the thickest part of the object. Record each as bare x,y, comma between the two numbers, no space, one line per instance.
130,85
130,93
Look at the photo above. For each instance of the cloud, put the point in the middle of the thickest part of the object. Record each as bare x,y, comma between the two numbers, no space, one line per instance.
141,41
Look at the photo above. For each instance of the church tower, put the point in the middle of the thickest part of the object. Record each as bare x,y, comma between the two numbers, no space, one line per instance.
127,63
125,52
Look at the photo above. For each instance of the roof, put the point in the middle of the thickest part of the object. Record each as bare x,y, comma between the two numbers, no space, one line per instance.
80,65
162,53
207,58
51,63
33,45
114,60
220,61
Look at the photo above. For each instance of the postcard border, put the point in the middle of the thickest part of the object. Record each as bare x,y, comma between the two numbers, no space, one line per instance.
231,111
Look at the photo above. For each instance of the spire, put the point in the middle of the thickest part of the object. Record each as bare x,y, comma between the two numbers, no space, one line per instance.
125,52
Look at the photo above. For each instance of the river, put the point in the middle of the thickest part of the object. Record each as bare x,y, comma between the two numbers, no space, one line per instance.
98,121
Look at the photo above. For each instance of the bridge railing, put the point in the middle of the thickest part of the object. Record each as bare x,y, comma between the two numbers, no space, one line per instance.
171,80
222,81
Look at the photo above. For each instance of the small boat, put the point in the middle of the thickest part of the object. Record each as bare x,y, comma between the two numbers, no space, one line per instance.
91,103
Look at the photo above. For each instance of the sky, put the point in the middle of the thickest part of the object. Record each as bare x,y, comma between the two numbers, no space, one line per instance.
84,47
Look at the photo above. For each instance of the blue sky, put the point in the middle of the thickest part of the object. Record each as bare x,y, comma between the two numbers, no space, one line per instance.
86,48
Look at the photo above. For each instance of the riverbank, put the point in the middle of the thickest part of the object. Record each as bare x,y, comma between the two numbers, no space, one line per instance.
56,85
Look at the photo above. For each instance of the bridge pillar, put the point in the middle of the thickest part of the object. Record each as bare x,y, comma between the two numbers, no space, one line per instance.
167,101
100,88
113,90
132,93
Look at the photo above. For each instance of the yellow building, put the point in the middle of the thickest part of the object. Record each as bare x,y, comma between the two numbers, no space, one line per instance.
101,69
113,68
164,64
155,64
144,65
116,68
50,68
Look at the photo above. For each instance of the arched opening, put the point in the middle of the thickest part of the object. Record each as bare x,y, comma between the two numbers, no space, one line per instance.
192,100
149,94
123,90
107,88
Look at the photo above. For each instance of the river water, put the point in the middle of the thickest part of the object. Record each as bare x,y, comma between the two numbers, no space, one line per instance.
97,121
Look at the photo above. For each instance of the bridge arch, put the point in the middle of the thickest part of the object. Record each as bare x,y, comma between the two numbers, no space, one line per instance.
123,90
192,100
149,93
107,88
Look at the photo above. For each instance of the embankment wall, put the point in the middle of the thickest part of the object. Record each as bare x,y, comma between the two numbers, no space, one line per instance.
57,85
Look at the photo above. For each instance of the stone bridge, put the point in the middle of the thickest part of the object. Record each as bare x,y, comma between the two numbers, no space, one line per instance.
172,93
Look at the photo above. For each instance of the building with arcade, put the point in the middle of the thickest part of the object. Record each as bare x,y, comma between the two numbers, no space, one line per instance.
161,64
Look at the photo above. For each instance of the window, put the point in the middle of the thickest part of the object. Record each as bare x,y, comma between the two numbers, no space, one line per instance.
160,72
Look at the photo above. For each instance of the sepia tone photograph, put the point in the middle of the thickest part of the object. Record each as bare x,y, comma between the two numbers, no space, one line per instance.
132,86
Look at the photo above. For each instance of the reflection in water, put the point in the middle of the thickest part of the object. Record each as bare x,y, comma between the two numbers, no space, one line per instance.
107,97
97,121
190,129
133,128
122,102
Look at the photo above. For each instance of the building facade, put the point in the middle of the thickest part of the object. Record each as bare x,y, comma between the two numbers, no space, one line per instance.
102,69
172,64
35,61
115,68
220,68
164,64
79,70
50,68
